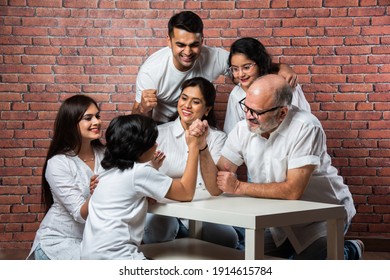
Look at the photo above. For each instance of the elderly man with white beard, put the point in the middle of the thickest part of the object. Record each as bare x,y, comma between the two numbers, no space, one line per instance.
284,149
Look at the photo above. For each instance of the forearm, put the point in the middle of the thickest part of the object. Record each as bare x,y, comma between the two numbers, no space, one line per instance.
188,180
137,110
84,209
209,172
280,190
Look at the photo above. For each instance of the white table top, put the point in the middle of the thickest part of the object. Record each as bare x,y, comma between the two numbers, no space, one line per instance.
249,212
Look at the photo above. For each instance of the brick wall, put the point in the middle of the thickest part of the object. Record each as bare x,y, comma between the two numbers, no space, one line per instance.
51,50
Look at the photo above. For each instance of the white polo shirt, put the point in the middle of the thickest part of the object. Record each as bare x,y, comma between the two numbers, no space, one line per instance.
171,140
297,142
117,212
234,113
158,72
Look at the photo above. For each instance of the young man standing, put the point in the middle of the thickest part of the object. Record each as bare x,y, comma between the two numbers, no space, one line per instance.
160,77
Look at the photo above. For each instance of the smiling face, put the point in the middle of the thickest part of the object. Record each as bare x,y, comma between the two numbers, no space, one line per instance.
186,48
246,70
191,106
90,124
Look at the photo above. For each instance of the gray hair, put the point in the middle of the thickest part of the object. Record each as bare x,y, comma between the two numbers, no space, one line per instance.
283,95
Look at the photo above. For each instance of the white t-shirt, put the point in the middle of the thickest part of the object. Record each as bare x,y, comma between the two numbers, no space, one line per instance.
61,230
234,113
297,142
117,212
171,140
158,72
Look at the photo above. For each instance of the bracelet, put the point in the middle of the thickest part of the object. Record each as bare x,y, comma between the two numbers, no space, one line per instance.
201,150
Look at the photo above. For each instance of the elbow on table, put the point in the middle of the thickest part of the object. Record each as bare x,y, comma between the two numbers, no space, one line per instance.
293,196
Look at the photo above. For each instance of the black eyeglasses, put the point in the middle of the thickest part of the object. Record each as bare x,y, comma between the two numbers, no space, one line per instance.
255,113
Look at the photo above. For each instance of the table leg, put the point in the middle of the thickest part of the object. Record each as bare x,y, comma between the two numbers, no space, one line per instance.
195,229
335,239
254,244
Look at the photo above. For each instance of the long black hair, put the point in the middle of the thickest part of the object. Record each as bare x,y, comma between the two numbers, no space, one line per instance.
127,138
67,137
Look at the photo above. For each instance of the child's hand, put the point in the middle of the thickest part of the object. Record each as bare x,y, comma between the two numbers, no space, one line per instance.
158,159
93,183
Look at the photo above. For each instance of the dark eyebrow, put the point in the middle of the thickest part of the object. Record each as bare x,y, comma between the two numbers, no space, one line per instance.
192,44
90,115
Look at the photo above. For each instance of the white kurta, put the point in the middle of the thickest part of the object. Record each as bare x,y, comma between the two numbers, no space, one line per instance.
117,212
158,72
61,230
297,142
234,113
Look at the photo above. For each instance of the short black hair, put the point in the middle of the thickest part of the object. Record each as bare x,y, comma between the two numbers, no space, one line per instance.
127,138
186,20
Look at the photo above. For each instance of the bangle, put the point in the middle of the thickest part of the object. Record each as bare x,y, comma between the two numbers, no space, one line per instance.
205,147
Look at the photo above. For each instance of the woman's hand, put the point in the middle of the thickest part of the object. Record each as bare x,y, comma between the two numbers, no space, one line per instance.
93,183
200,130
157,160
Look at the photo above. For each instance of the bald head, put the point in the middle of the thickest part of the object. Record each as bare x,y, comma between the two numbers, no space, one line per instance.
271,90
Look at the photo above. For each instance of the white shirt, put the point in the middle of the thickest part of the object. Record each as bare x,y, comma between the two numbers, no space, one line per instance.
117,212
61,230
171,140
234,113
297,142
158,72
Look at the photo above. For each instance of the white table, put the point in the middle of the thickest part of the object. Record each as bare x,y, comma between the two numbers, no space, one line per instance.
255,214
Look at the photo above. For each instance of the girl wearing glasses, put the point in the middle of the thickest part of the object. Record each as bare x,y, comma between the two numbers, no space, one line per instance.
248,60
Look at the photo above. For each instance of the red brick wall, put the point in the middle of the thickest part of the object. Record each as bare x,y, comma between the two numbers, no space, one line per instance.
53,49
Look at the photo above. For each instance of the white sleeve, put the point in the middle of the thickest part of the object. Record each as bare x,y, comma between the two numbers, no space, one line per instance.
216,144
150,182
308,147
299,99
233,114
65,185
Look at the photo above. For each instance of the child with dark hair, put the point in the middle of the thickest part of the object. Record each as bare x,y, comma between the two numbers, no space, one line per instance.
249,60
118,207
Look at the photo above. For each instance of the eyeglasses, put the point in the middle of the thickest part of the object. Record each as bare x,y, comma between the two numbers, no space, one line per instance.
245,69
255,113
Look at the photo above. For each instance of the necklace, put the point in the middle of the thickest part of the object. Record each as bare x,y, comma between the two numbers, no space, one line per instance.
86,160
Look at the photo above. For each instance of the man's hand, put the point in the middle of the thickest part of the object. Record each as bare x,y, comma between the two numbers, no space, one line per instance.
157,160
288,74
148,100
227,182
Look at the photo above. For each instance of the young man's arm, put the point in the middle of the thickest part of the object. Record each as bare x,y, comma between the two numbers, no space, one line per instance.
148,102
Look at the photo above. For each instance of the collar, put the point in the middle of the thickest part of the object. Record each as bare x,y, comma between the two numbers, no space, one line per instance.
178,129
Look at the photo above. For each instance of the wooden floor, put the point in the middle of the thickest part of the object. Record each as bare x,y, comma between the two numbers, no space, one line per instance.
12,254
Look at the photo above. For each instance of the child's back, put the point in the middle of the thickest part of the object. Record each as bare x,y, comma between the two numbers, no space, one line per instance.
117,211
